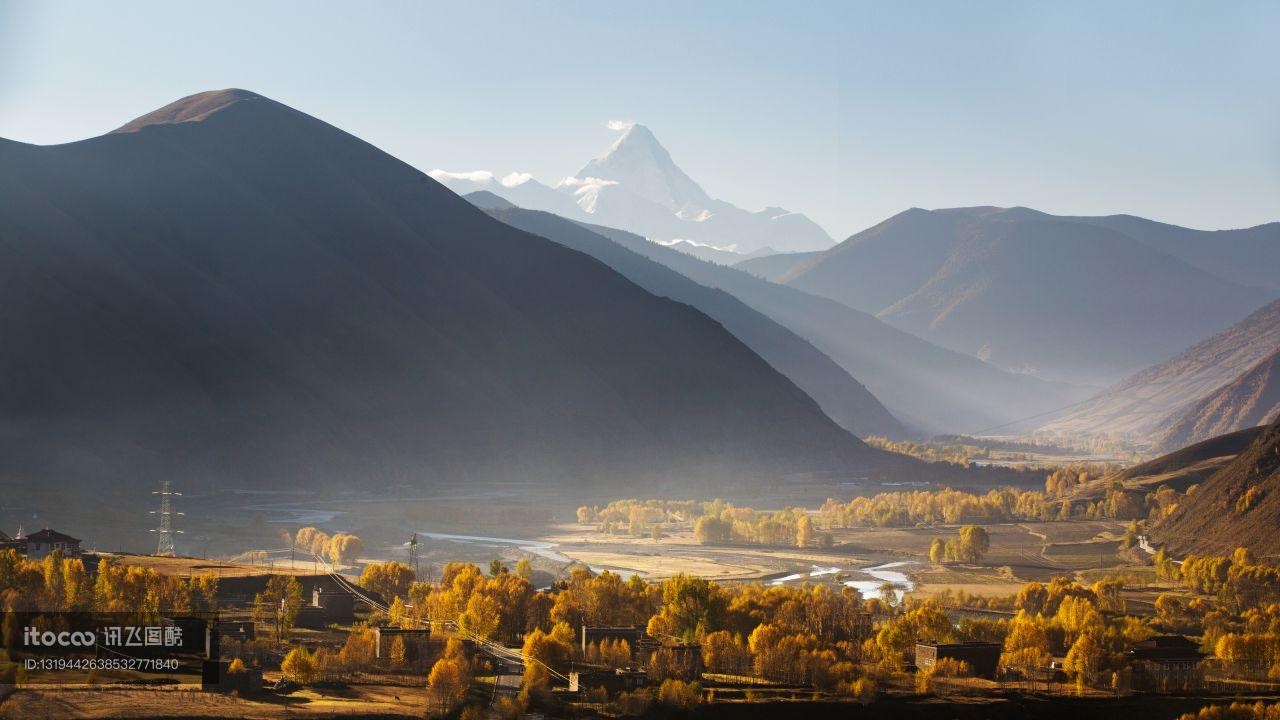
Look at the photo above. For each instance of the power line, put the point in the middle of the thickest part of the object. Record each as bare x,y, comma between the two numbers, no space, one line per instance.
1091,398
497,650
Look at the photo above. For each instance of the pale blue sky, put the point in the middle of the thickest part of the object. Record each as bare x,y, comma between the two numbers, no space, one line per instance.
848,112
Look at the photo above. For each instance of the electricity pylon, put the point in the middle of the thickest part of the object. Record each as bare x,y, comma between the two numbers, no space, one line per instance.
166,513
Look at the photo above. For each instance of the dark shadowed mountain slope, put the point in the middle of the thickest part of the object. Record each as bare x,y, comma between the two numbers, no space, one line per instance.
228,290
774,267
925,386
486,200
1249,400
1028,291
841,396
1238,506
1247,256
1140,406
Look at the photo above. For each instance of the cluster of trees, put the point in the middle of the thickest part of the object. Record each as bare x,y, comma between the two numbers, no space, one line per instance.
964,451
956,453
720,522
1113,444
725,523
806,634
305,665
809,634
1249,499
951,507
679,696
57,583
1117,501
614,653
503,606
927,678
1238,581
389,579
1061,618
714,522
970,546
1236,711
636,517
830,638
837,641
1235,610
340,548
1065,479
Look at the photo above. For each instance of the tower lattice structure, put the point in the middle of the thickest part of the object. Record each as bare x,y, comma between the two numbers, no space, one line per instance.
166,531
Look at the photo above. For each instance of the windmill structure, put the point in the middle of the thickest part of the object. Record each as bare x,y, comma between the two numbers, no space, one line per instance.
413,553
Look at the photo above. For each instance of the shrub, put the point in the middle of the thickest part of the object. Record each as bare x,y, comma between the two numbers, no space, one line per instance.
680,695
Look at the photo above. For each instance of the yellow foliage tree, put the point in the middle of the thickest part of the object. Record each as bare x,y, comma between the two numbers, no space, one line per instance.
450,677
300,666
389,579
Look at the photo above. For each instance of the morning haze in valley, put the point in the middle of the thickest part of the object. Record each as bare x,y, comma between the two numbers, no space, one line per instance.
510,360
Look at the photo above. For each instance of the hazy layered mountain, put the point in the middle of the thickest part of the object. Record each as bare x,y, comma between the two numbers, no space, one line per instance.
840,396
635,185
1028,291
1249,400
926,386
1248,256
714,254
230,291
1152,401
1237,506
774,267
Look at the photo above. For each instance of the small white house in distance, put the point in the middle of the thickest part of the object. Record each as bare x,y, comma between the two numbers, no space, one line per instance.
42,543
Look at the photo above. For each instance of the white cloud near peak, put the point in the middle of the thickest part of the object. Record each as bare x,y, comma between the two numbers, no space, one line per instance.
515,179
475,176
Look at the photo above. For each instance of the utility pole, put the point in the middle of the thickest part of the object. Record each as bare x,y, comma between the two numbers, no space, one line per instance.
166,513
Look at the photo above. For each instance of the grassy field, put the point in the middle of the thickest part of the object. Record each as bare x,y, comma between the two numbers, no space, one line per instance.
187,567
1020,552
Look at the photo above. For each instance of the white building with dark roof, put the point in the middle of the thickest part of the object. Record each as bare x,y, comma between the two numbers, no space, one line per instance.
42,543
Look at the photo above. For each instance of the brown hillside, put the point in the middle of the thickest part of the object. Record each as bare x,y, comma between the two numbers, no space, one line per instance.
1180,469
1239,505
1250,400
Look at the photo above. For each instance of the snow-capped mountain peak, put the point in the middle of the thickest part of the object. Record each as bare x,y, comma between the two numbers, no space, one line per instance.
635,185
639,162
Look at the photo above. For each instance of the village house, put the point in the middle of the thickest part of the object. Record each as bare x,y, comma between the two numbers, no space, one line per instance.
419,644
45,542
1167,663
338,606
982,657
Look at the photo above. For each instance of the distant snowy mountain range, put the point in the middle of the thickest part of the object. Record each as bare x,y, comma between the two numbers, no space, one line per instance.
635,185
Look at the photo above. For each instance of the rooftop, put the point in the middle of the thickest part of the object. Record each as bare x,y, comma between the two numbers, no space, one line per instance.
51,536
